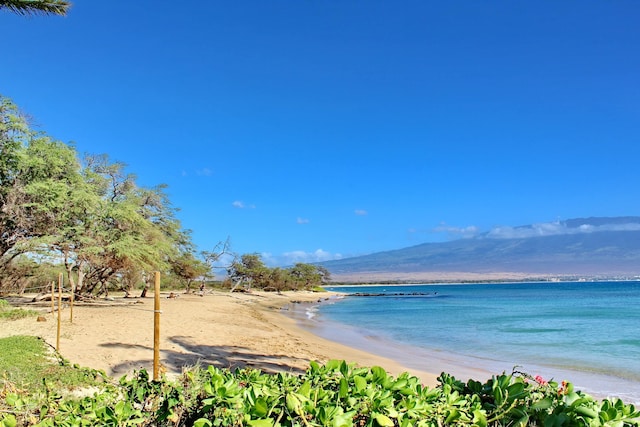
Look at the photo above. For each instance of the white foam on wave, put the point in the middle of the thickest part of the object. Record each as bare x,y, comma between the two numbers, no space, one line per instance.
311,312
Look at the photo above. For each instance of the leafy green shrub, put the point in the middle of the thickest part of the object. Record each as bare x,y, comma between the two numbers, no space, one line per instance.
335,394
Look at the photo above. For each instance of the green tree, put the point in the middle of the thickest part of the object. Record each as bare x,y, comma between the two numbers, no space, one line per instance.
187,268
36,7
308,275
133,228
278,279
90,215
248,271
14,136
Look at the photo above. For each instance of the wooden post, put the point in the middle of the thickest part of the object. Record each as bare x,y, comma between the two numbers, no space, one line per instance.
156,328
59,308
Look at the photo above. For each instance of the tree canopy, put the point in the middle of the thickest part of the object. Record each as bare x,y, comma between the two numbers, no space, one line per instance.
90,218
88,213
250,271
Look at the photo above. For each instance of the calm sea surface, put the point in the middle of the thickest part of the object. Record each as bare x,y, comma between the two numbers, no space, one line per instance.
584,332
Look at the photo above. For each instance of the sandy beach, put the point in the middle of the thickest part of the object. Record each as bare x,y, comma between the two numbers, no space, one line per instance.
228,330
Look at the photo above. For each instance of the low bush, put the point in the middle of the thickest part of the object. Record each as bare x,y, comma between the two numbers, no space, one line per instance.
334,394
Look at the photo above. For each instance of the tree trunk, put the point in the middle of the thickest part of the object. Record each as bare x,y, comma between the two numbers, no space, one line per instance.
143,294
80,274
236,285
68,265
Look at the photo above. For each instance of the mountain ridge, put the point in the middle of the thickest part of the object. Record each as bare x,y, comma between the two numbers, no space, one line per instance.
602,246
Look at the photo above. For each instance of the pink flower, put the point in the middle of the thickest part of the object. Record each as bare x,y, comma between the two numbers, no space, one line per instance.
541,380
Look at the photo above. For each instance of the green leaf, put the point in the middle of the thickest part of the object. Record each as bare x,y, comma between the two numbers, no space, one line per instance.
379,374
305,389
261,423
293,403
453,415
516,390
333,364
344,368
586,412
383,420
360,383
479,418
8,421
344,388
202,422
542,404
260,408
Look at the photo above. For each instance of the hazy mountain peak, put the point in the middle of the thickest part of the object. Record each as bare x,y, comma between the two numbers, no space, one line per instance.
570,226
587,246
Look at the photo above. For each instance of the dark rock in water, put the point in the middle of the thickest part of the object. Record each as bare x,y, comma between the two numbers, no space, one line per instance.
397,294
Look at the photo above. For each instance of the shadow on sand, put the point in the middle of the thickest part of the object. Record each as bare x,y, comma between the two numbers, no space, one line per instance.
191,354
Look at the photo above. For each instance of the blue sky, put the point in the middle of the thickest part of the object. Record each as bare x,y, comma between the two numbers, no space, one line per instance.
311,130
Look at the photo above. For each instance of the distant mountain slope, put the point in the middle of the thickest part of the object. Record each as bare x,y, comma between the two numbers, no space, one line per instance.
603,246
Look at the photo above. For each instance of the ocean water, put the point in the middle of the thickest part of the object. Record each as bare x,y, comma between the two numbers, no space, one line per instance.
584,332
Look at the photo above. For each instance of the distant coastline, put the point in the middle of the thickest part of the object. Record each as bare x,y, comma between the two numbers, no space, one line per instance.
428,277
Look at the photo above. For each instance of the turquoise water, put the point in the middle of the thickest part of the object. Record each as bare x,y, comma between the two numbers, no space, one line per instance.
584,332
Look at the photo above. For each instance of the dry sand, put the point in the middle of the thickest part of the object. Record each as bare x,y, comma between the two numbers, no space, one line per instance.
228,330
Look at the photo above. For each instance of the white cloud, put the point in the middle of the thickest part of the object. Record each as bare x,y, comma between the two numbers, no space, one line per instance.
241,205
290,258
204,172
302,221
360,212
555,228
465,232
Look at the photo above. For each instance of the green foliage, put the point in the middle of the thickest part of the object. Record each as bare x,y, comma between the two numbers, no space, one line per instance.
335,394
7,312
89,214
28,363
251,271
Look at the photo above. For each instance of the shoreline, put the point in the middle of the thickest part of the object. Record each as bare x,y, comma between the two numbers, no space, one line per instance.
262,330
223,329
463,367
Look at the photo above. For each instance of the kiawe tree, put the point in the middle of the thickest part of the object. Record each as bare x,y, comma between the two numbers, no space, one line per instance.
134,229
251,271
90,216
14,136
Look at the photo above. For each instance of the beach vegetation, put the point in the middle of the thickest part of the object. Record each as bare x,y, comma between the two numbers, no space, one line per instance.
32,369
7,312
336,393
249,271
85,215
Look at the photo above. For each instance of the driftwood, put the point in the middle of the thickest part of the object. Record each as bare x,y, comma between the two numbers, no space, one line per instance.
47,297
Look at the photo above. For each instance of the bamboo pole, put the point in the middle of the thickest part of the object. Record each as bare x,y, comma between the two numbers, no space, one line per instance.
59,309
156,328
